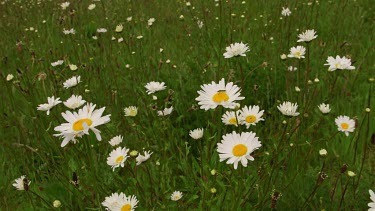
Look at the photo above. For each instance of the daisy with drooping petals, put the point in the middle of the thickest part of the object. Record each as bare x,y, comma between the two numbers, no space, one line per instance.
196,133
80,123
371,204
237,148
20,183
73,81
58,62
339,63
297,52
231,118
64,5
75,101
119,28
214,94
166,111
101,30
286,12
131,111
176,195
307,36
324,108
250,115
288,109
115,140
154,86
142,158
345,124
48,106
69,31
117,157
236,49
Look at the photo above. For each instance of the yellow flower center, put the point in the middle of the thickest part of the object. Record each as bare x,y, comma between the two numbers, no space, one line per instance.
298,53
239,150
344,126
126,207
119,159
133,112
233,121
251,119
78,125
220,96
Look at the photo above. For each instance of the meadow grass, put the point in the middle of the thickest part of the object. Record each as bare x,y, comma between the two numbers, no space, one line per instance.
287,173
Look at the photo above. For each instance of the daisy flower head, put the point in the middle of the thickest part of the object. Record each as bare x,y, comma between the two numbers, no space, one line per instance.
79,124
48,106
166,111
56,63
142,158
112,201
64,5
236,49
131,111
372,204
119,28
339,63
71,82
251,115
69,31
307,36
21,182
101,30
176,195
288,109
117,157
154,86
128,203
196,133
10,77
237,148
75,101
115,140
150,21
345,124
285,12
91,7
297,52
231,118
222,94
324,108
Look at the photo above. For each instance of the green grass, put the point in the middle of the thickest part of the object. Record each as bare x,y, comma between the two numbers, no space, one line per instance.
288,161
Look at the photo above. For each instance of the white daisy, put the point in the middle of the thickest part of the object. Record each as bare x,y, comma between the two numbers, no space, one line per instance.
111,202
75,101
131,111
231,118
58,62
196,133
339,63
153,87
324,108
307,36
69,31
20,183
115,140
142,158
48,106
101,30
371,204
150,21
176,195
286,12
119,28
297,52
237,147
10,77
117,157
80,123
214,94
64,5
73,81
73,67
288,109
200,24
236,49
126,203
250,115
166,111
345,124
91,6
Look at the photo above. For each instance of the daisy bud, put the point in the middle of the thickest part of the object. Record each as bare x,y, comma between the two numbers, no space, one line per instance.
368,110
213,190
157,163
181,17
133,153
56,203
284,122
309,82
213,172
283,56
161,50
371,79
10,77
297,89
323,152
316,80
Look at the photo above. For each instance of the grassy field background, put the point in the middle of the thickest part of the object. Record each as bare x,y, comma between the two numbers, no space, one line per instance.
175,50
